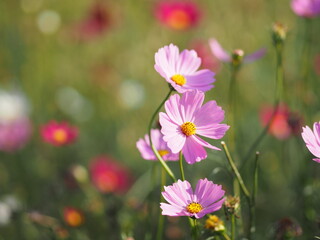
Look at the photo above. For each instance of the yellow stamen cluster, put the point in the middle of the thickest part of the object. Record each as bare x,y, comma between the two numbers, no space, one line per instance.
179,79
188,128
194,207
163,152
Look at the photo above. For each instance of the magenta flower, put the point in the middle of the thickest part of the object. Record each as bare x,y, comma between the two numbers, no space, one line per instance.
180,69
207,198
59,134
224,56
306,8
312,140
185,118
145,149
177,14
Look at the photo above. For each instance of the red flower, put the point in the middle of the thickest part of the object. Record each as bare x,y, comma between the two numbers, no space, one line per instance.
59,134
177,14
109,176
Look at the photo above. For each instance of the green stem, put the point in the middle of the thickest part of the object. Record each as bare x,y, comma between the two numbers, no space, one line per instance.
194,229
181,166
233,227
155,151
226,237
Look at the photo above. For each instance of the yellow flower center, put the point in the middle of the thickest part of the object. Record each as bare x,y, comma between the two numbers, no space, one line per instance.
163,152
60,136
179,79
188,128
179,20
194,207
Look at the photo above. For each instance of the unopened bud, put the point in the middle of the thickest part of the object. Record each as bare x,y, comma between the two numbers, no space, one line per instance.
237,57
279,33
215,223
232,204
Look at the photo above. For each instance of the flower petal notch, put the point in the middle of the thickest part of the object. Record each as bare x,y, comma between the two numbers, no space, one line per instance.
312,140
185,119
226,57
183,201
181,69
145,149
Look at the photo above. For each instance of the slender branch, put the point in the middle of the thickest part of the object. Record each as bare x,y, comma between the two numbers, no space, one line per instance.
155,151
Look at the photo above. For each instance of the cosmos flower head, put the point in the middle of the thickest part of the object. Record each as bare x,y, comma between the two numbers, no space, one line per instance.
183,201
109,176
185,119
285,123
237,56
73,216
306,8
59,134
312,140
181,69
145,149
177,14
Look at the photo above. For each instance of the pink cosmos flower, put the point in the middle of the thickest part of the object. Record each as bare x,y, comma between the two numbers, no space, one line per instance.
157,139
180,69
207,198
306,8
312,140
224,56
285,123
15,134
177,14
109,176
185,118
59,134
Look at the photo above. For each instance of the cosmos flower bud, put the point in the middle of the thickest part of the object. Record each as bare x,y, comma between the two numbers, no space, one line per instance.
215,224
232,204
279,33
237,57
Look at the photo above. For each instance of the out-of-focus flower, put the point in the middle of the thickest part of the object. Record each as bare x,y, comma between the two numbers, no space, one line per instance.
180,69
207,198
95,24
215,224
177,14
145,149
80,173
131,94
237,56
312,140
15,127
185,118
284,124
5,213
73,216
59,134
109,176
208,60
286,229
306,8
49,21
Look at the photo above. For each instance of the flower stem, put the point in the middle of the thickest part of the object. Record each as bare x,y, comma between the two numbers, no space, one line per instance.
155,151
233,226
194,229
161,217
226,237
181,166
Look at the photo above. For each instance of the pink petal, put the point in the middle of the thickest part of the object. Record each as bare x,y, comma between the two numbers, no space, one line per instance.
209,113
201,80
218,51
208,193
178,194
173,110
212,208
174,211
190,102
188,62
214,131
145,150
204,143
255,56
192,151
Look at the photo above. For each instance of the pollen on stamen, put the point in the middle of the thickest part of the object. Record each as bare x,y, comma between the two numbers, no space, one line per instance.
179,79
194,207
163,152
188,128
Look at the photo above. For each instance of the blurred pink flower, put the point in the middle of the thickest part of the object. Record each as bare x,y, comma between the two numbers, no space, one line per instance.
109,176
177,14
144,147
59,134
185,117
15,134
224,56
285,122
207,198
95,24
73,216
208,60
306,8
180,69
312,140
